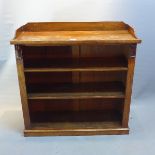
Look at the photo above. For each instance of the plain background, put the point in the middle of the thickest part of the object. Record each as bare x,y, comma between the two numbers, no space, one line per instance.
139,14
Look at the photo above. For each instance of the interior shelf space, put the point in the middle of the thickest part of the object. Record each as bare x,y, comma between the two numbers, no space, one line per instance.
62,122
79,116
73,114
72,110
71,85
74,58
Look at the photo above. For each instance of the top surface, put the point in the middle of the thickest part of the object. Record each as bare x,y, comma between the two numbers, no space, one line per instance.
74,33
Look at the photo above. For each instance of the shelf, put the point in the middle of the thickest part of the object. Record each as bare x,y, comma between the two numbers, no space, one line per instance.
76,91
75,95
76,125
81,64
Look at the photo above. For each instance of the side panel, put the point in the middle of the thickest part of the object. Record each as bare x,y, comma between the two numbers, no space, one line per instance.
21,79
130,54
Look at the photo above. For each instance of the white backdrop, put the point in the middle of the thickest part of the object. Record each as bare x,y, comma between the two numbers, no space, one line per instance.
137,13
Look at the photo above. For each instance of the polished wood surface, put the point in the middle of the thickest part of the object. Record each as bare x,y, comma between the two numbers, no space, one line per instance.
74,33
113,130
75,78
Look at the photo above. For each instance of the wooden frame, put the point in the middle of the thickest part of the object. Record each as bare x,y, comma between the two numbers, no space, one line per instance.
75,78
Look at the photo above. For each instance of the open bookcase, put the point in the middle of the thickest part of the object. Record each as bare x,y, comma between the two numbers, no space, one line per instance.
75,78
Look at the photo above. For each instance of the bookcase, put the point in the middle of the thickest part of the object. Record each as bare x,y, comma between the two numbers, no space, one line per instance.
75,78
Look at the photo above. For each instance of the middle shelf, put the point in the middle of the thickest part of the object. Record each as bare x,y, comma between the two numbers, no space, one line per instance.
76,91
79,85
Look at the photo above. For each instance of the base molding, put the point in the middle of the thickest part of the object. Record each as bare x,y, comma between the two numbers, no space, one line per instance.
75,132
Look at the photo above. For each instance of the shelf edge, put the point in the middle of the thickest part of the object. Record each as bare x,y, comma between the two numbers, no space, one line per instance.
75,70
75,132
34,96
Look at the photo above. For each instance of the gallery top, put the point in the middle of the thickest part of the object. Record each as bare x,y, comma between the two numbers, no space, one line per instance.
62,33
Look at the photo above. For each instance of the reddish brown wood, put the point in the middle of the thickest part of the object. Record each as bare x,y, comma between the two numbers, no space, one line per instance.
75,33
23,92
75,78
128,92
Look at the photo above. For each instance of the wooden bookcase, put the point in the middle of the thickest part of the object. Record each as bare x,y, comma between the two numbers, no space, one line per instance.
75,78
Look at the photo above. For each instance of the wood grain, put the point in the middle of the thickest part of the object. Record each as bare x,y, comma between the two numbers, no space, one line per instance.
23,92
128,92
72,132
74,37
75,78
75,33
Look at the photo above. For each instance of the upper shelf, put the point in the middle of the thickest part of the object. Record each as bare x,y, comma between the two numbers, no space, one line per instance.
62,33
81,64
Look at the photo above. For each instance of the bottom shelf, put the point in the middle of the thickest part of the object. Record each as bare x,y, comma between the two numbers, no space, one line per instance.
76,129
51,123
